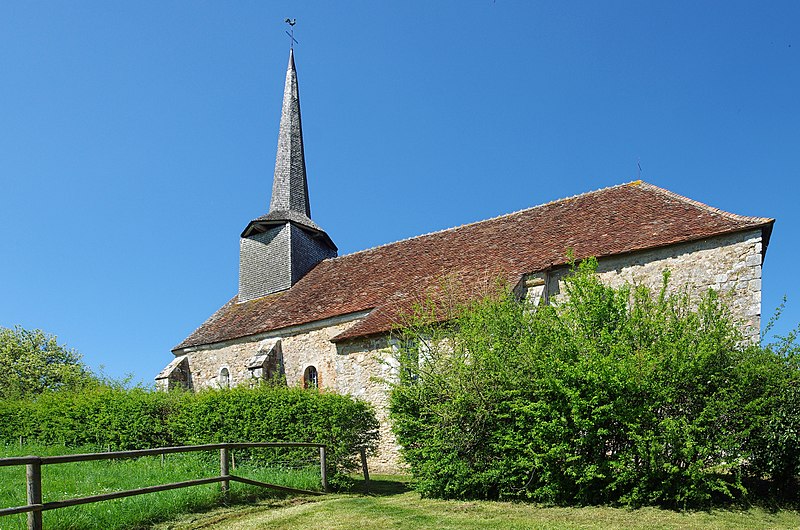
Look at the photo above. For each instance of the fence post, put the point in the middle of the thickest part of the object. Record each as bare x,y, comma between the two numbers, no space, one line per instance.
223,469
364,468
33,475
323,468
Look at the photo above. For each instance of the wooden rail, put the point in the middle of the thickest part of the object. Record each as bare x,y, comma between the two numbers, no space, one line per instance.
34,464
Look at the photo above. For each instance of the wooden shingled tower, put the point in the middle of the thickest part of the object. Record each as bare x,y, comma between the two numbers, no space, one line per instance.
279,248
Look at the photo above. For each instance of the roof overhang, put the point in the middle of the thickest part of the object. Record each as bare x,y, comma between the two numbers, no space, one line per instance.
766,234
264,223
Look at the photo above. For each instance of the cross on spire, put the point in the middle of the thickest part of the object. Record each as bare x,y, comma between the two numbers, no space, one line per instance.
293,41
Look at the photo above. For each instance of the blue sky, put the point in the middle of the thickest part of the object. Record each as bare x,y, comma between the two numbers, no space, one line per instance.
138,139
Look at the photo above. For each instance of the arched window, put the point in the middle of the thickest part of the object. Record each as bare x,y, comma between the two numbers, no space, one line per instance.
224,378
310,378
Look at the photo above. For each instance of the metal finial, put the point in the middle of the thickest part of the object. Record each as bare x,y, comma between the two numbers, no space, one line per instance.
293,41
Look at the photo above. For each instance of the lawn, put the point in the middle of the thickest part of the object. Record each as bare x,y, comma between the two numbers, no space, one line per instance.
64,481
393,506
389,505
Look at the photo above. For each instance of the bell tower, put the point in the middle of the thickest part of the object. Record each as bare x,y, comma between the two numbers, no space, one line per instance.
279,248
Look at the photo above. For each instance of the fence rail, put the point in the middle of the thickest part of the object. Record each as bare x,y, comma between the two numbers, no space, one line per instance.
34,464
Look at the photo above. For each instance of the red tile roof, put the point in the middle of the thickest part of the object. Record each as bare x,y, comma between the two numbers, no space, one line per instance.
386,279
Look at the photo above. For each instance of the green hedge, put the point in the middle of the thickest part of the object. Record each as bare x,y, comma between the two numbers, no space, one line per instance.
278,414
121,419
612,396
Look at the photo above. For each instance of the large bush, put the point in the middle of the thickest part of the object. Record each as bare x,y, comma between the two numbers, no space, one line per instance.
115,418
612,395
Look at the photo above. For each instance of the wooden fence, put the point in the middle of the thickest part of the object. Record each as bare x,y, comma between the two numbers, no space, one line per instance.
34,464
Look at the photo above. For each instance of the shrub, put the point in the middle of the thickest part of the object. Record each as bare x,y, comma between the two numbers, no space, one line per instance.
612,395
272,414
769,393
100,415
114,418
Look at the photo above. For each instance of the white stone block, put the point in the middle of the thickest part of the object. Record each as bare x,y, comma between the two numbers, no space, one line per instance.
753,260
753,310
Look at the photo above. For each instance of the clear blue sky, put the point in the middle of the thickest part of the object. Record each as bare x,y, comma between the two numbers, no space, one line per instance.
137,139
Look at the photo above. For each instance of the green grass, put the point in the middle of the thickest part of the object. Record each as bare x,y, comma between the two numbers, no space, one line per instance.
64,481
392,506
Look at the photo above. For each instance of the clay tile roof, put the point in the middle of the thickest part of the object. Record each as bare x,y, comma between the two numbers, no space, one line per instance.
386,279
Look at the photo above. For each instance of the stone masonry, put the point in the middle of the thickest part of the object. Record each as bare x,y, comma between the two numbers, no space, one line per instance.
729,264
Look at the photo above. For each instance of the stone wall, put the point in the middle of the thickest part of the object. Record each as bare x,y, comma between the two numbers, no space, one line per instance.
309,347
730,264
364,368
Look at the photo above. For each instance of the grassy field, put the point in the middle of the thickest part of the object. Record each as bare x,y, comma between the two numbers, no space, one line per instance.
390,505
64,481
393,506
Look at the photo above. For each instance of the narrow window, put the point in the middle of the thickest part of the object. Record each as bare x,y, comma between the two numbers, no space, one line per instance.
537,289
409,360
310,378
224,378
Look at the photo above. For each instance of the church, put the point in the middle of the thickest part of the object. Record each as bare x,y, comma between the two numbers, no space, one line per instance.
311,318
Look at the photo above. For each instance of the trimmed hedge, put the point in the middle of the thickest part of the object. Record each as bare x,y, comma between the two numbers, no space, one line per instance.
611,396
122,419
279,414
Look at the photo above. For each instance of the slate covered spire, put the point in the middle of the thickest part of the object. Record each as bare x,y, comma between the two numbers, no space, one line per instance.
290,187
277,249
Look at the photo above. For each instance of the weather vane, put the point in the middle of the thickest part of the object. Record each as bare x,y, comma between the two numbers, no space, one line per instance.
291,22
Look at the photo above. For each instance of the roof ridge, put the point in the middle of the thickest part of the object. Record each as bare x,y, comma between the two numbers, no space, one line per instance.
517,212
704,206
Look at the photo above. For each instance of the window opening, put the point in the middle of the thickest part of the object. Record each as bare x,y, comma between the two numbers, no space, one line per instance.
409,350
310,379
224,378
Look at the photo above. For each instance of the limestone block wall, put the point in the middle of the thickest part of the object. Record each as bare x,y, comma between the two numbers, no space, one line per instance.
309,347
730,264
364,369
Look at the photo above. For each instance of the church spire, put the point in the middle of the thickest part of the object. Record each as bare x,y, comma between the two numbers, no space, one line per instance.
277,249
290,187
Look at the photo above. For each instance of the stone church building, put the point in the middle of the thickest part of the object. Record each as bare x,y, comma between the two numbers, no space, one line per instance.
315,319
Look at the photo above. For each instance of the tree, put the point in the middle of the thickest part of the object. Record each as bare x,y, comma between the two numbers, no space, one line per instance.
32,361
